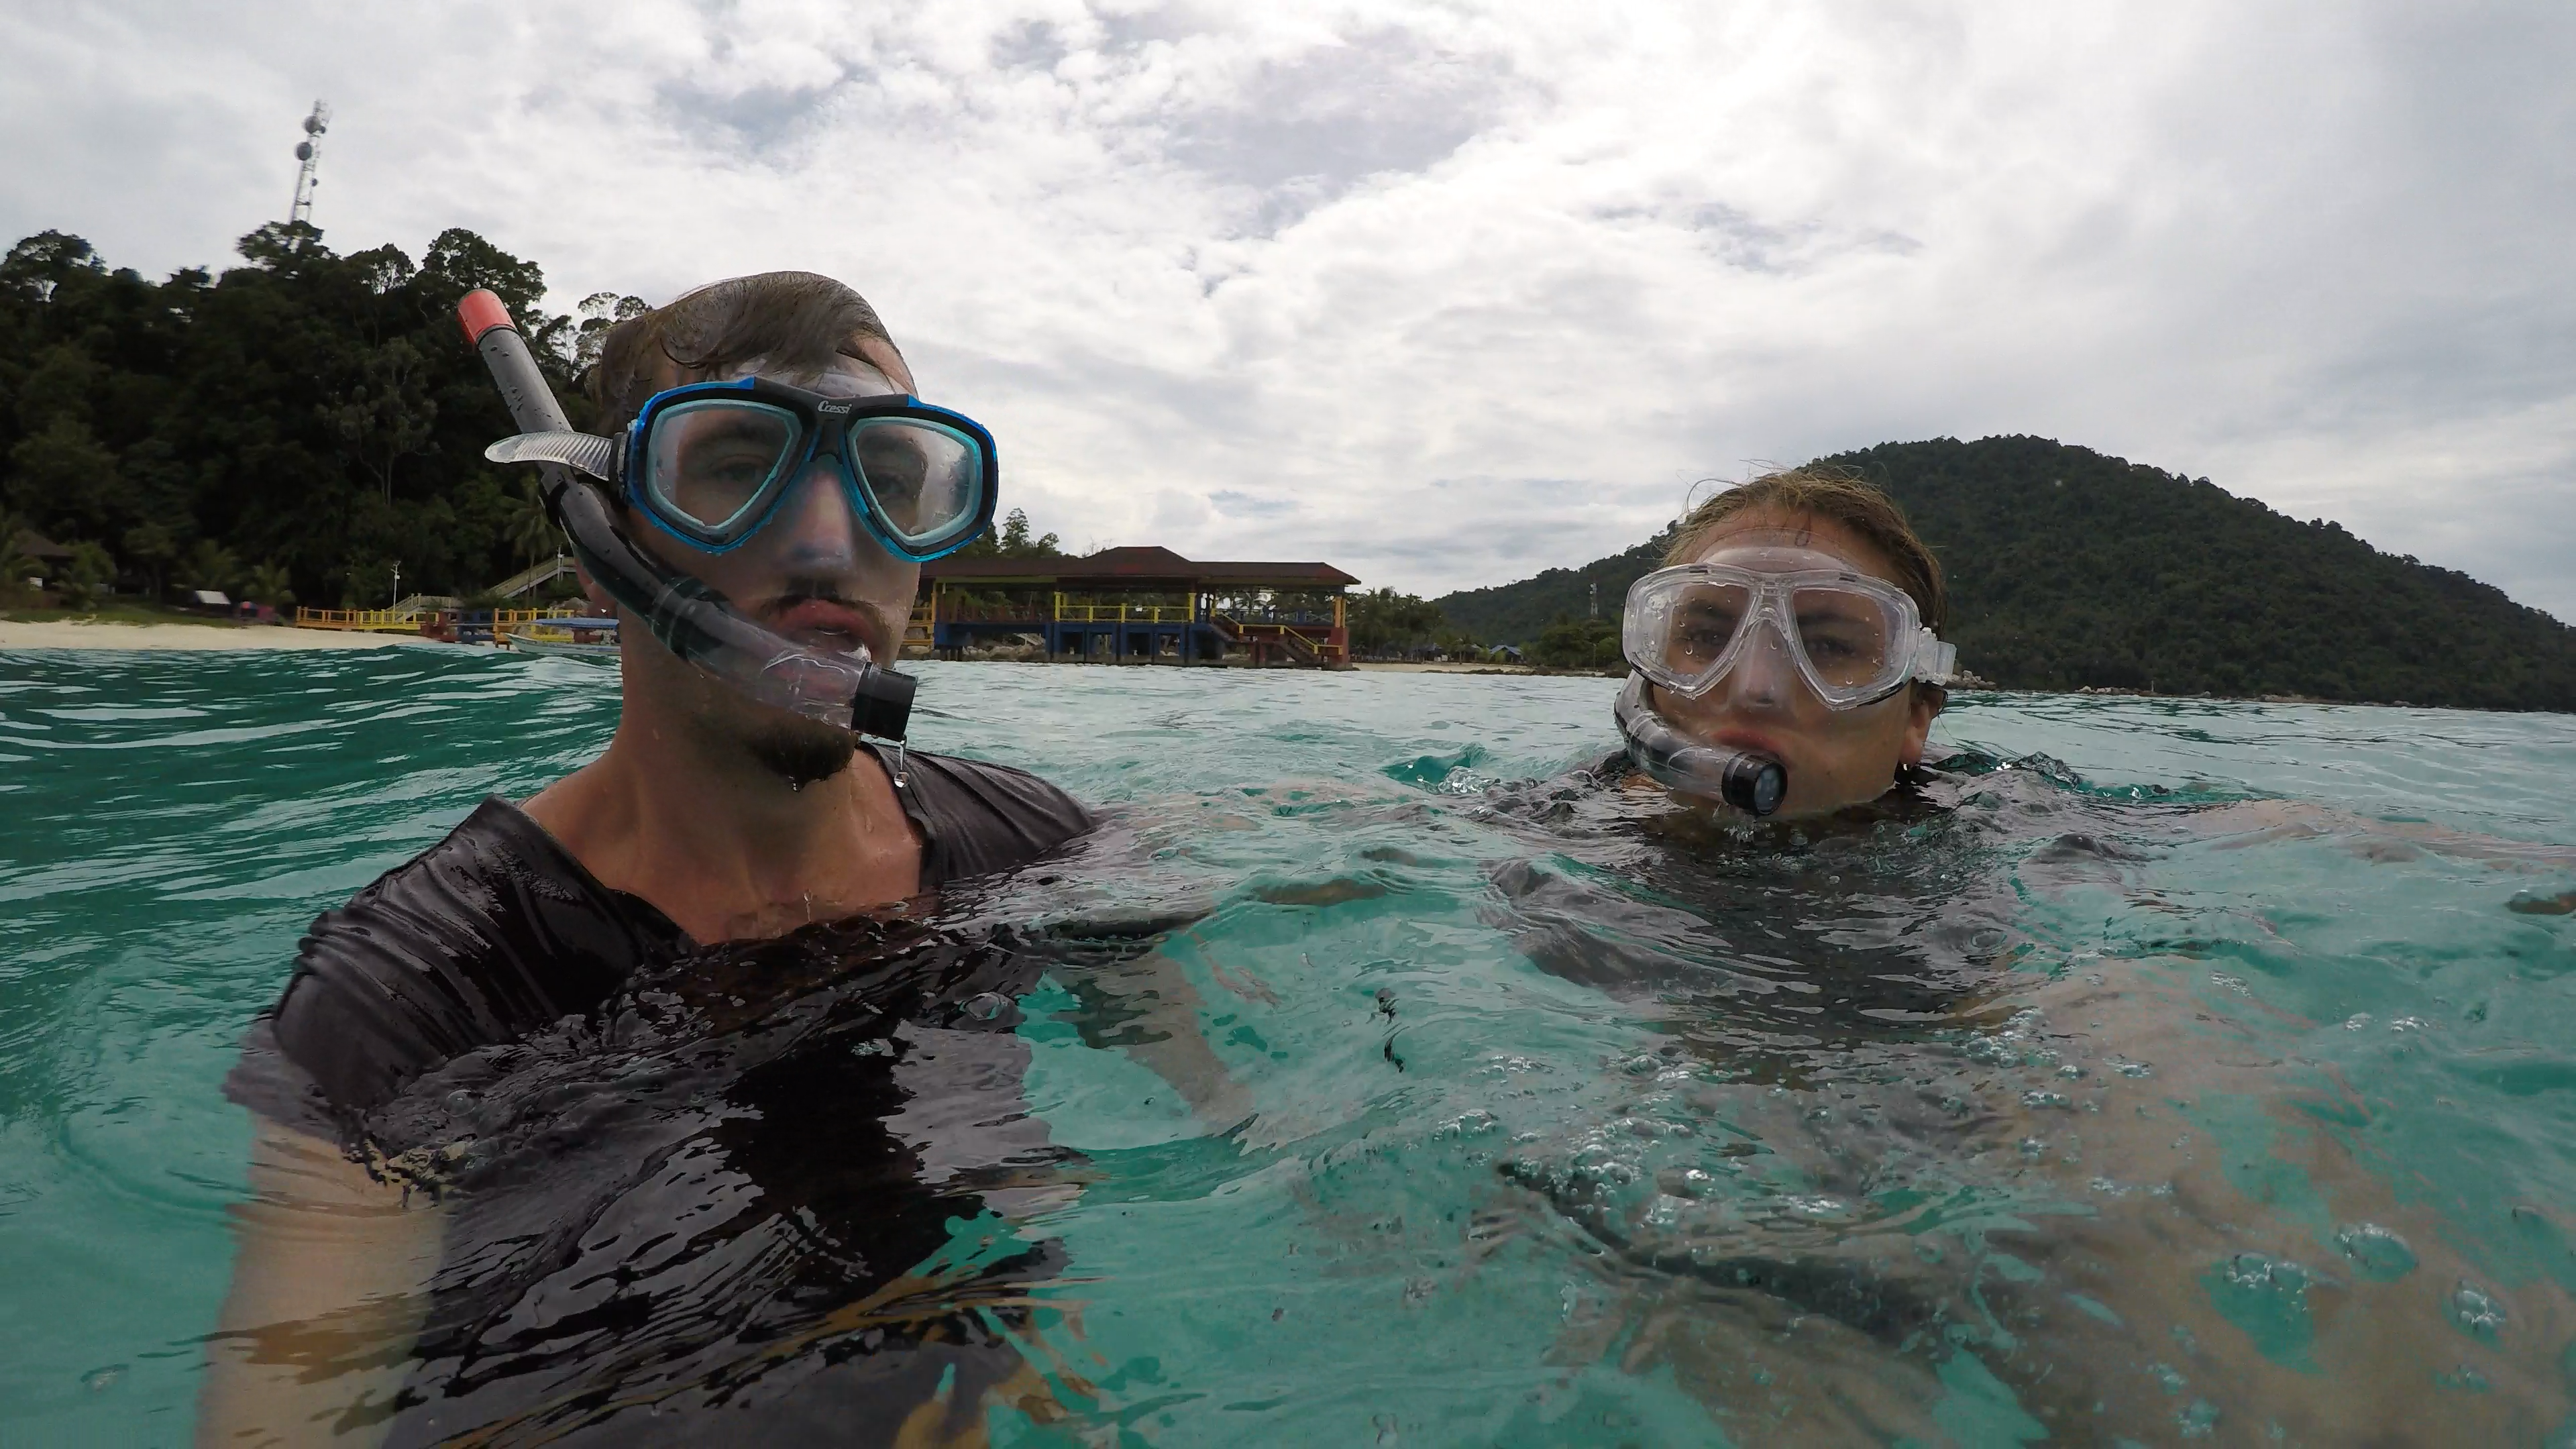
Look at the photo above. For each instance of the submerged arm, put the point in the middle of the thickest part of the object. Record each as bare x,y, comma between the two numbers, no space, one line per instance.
1155,1011
2257,822
330,1283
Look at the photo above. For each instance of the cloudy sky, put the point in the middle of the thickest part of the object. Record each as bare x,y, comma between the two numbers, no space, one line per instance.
1448,293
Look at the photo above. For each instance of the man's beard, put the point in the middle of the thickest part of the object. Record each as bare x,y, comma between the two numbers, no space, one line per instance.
802,751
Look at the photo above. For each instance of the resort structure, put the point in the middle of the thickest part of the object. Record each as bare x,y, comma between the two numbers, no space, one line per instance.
1119,606
1137,605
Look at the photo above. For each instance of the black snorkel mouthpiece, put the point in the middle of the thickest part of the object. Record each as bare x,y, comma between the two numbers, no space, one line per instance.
693,621
1749,780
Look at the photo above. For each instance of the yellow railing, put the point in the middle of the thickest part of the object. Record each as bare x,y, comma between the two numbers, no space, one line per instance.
383,621
521,622
389,621
1069,612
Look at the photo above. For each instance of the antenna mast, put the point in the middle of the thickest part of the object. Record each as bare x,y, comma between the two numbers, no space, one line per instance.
309,152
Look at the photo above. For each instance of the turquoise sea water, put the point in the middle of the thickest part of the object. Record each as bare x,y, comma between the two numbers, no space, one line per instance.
1546,1123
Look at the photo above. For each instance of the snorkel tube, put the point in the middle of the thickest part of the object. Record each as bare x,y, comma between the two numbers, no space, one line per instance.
1749,780
695,622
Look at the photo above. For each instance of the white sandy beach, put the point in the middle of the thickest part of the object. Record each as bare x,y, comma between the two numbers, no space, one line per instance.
88,634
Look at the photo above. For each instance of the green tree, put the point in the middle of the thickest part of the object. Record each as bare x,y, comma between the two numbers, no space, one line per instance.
267,584
459,261
532,529
151,547
1571,643
87,576
599,312
61,385
64,479
386,415
209,565
16,564
1010,539
1383,622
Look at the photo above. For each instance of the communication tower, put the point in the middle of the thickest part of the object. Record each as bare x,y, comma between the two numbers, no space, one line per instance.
309,152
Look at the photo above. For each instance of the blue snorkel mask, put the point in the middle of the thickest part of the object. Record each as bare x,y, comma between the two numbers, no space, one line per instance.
708,463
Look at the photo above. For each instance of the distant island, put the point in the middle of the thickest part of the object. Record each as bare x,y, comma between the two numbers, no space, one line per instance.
2071,569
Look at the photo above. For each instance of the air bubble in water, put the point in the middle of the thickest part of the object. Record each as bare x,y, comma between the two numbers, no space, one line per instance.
986,1005
2465,1377
2379,1253
2476,1310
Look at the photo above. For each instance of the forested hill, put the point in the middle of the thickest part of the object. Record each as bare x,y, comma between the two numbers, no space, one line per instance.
309,420
2070,568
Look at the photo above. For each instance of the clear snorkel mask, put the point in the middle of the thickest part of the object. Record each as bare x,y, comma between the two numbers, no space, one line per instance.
923,475
1851,639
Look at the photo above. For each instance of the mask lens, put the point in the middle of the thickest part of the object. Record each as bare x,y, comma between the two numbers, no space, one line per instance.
1849,637
713,463
924,479
1701,621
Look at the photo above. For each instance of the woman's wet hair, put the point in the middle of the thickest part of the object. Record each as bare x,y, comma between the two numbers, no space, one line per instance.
1845,497
791,321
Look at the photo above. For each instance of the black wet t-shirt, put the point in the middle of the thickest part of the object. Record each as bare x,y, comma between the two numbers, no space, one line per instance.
497,931
746,1165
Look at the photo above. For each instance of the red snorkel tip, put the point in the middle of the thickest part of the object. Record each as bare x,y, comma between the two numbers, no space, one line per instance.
479,311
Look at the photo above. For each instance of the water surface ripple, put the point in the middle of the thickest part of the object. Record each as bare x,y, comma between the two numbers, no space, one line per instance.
2166,1069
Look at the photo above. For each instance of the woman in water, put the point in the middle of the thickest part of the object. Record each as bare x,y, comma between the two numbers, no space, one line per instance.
1929,1149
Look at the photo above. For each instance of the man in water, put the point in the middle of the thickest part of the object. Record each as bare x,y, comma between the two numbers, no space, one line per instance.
712,817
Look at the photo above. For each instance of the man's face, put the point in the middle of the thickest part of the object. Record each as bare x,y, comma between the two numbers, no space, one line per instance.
1834,757
813,574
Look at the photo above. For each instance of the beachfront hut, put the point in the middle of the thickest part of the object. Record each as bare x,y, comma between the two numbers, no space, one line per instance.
1138,604
50,558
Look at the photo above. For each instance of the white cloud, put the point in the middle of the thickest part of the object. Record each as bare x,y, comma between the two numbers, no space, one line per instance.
1448,293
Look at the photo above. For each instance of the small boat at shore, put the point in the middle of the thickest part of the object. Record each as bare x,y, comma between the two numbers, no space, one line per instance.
578,637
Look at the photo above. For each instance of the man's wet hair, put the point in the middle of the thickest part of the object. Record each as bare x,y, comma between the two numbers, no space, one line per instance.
791,321
1843,495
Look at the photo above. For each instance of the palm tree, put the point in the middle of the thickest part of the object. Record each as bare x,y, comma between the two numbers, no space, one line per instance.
209,565
266,584
531,529
151,545
16,564
86,578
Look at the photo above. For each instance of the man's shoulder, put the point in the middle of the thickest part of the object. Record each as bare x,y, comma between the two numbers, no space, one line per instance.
493,931
977,816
